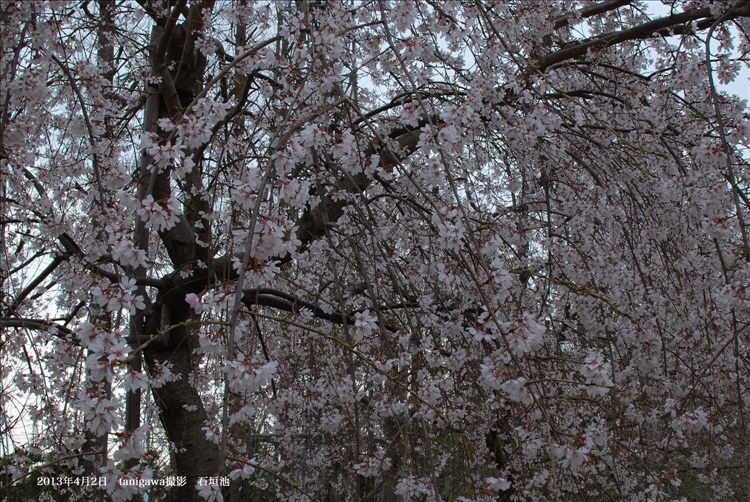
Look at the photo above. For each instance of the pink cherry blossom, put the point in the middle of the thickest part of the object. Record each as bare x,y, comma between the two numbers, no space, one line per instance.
376,250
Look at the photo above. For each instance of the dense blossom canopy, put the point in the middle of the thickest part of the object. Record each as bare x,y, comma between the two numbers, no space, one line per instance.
375,249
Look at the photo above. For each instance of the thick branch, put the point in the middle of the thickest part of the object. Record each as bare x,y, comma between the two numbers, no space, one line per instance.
157,59
661,26
312,224
268,297
590,11
179,88
40,325
153,14
33,284
73,249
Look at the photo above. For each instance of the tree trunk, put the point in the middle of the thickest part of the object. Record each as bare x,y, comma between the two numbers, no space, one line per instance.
193,454
181,409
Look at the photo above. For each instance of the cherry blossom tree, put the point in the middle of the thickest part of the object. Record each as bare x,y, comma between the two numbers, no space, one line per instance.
375,250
